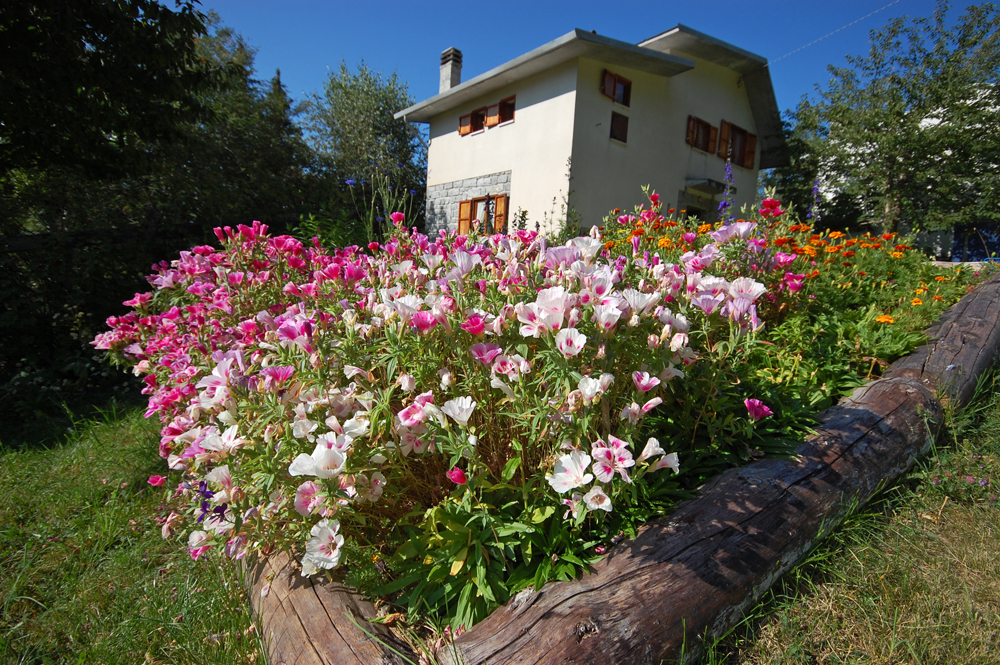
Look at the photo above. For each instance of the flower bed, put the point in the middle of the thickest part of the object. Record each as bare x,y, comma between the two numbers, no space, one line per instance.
456,419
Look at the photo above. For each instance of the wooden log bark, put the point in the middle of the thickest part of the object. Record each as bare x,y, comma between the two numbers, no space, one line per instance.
689,575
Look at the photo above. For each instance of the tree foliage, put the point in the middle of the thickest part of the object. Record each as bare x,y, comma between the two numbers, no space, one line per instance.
910,132
86,82
351,123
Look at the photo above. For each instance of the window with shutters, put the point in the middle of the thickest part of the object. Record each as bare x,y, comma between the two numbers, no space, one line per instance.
702,135
488,116
619,127
476,209
737,144
617,88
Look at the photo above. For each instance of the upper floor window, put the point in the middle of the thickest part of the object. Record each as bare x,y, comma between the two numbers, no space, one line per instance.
737,144
617,88
702,135
488,116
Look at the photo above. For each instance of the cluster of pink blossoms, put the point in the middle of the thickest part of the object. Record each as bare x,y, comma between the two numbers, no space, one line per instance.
296,385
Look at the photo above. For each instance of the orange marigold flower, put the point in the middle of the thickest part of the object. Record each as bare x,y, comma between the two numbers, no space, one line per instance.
814,273
866,245
671,211
852,241
837,234
832,250
636,233
940,278
781,242
862,273
849,253
938,298
877,245
663,242
888,236
900,248
846,264
916,302
919,291
896,255
609,244
885,318
704,228
811,251
670,223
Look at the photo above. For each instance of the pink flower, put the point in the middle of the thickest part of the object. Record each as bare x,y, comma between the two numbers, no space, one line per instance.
457,476
423,321
689,237
156,481
644,382
198,551
474,325
757,409
397,218
485,353
610,458
654,198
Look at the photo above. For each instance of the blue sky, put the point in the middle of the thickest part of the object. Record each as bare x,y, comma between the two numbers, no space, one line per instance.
308,39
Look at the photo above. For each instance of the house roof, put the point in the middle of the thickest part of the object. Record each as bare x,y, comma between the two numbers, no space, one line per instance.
756,76
575,44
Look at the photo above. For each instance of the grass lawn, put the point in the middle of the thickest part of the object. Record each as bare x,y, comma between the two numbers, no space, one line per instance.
913,578
85,576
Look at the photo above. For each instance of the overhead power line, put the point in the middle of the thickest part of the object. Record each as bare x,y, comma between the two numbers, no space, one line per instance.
816,41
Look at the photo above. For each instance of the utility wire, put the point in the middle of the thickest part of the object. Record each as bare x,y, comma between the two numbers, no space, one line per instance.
816,41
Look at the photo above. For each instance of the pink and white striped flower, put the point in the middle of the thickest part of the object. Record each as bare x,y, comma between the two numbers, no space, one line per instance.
570,341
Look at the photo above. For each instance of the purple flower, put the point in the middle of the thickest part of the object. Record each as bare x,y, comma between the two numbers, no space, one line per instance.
757,409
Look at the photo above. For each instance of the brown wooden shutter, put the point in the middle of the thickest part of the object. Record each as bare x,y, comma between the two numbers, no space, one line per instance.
499,213
713,139
692,130
465,125
464,217
609,84
751,151
493,115
725,130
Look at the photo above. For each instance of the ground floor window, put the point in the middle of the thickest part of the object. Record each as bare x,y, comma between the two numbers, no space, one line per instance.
491,211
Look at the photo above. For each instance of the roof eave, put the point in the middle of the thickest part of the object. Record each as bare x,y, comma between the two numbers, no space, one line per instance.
575,44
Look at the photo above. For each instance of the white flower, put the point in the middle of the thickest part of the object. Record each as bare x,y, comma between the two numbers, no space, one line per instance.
323,549
570,472
652,448
459,410
570,341
590,388
495,382
323,463
670,460
407,382
640,302
747,288
197,539
596,499
606,316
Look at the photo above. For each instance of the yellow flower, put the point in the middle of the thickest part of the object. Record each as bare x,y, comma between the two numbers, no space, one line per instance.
916,301
896,255
940,278
837,234
885,318
919,291
704,228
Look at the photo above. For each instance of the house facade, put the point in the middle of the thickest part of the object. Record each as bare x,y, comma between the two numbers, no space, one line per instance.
584,121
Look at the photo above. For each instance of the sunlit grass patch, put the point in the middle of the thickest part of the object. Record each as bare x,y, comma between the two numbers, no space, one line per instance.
84,574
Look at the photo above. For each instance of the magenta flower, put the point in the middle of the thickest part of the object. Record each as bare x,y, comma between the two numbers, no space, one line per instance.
485,353
757,409
457,476
423,322
474,325
689,237
156,481
397,218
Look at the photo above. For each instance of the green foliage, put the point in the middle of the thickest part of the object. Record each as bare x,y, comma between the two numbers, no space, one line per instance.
908,132
88,83
351,124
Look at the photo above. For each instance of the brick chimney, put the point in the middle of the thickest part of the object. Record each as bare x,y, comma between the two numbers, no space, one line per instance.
451,69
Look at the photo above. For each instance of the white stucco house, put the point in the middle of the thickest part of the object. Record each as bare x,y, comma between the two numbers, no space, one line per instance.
586,120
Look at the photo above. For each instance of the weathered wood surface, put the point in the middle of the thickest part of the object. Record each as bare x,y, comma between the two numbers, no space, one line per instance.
694,572
962,346
305,622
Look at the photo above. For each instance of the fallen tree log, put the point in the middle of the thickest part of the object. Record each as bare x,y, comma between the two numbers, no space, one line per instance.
690,575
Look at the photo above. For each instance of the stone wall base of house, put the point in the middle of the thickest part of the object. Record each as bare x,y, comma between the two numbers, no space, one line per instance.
443,199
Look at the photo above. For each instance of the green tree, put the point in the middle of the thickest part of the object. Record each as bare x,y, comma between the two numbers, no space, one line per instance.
909,132
351,124
86,82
